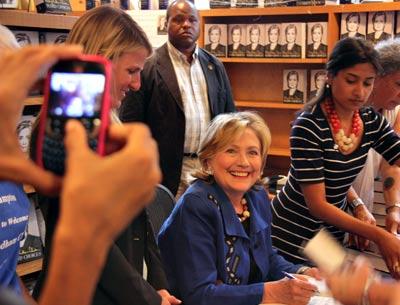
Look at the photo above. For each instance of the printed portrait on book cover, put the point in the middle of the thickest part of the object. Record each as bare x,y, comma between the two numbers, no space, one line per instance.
353,25
8,3
317,82
162,25
380,26
26,37
56,38
273,39
317,40
294,86
24,129
215,38
237,40
255,40
397,35
291,40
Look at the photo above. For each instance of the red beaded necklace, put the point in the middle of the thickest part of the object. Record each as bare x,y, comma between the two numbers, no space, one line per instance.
344,142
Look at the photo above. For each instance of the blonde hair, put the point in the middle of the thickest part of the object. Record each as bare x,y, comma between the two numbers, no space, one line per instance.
108,31
7,39
223,129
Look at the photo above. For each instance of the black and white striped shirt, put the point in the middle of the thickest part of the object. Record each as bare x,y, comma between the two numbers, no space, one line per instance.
315,159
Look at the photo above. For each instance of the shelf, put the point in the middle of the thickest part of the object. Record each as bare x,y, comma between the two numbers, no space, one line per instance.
35,20
33,101
268,105
274,60
29,189
301,10
29,267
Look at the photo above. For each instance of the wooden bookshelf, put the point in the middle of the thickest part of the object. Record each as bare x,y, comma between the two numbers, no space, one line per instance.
34,20
29,267
267,105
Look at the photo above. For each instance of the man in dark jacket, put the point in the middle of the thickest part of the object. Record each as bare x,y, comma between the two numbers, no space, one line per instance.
183,88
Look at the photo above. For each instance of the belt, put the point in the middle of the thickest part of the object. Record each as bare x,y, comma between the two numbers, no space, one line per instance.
191,155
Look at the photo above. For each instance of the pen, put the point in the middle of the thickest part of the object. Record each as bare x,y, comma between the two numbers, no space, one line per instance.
288,275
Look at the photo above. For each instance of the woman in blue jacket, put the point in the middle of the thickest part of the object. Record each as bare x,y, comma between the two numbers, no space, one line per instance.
216,245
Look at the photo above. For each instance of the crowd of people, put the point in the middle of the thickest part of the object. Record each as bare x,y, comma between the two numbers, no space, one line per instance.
224,241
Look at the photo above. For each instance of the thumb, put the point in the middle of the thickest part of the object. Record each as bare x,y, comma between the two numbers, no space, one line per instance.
75,137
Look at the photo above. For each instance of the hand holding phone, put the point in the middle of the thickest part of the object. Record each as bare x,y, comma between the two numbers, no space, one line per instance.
74,89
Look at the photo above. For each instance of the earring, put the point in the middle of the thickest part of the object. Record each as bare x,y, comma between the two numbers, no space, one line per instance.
327,86
209,172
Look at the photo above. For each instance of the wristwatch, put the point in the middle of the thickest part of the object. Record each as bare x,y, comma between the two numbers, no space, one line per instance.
356,202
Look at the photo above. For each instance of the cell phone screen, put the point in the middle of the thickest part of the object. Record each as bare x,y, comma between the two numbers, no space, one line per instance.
76,95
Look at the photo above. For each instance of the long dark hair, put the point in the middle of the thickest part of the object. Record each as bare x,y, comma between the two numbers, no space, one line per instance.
347,52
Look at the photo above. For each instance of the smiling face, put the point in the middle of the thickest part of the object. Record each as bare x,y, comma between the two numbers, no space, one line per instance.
183,25
126,74
351,87
320,81
317,34
236,36
214,36
238,166
353,24
273,35
254,35
23,138
379,23
291,35
292,81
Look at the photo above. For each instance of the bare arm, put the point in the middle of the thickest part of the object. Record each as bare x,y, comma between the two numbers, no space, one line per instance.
388,244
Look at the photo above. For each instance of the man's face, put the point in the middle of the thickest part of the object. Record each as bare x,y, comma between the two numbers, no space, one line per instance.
386,94
183,25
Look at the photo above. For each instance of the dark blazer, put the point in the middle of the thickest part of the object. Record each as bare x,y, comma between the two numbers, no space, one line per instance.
273,53
294,52
219,51
358,35
240,51
257,52
321,51
384,36
297,97
158,103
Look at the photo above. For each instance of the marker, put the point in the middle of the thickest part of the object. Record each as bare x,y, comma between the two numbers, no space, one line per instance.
288,275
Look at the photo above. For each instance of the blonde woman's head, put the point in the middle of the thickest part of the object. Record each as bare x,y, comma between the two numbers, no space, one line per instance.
7,40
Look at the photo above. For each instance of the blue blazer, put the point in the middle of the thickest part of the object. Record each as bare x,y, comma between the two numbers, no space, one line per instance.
206,251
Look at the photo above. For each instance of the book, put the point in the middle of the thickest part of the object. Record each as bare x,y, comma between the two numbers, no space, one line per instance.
246,3
24,130
26,37
353,25
317,42
293,40
220,3
255,40
215,39
237,39
273,47
317,82
380,26
31,246
294,86
55,37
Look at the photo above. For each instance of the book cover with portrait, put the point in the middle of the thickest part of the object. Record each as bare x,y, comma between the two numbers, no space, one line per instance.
26,37
55,37
294,86
273,47
317,40
317,82
24,130
220,3
215,39
255,40
397,34
380,26
293,40
237,40
353,25
246,3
